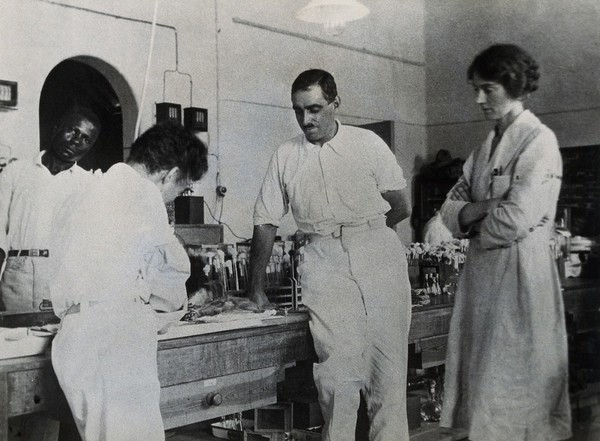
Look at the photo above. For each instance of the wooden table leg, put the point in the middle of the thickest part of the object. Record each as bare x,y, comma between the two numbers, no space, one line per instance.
4,406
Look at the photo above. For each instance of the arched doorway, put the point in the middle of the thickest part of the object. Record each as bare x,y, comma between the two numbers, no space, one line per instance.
73,82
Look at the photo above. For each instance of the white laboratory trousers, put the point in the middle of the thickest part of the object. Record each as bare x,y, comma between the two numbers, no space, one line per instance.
24,283
357,291
105,361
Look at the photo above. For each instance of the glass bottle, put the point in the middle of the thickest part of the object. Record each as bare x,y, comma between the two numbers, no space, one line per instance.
431,410
428,288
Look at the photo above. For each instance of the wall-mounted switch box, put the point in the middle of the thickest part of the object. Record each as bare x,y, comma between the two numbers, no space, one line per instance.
8,93
196,119
168,112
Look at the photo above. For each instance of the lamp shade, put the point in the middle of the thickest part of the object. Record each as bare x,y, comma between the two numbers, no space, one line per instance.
333,14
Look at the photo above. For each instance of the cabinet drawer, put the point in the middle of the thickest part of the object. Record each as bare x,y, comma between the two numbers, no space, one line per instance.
187,403
25,390
427,352
35,390
433,350
432,323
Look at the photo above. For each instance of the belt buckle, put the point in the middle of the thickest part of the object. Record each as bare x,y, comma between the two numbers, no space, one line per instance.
34,253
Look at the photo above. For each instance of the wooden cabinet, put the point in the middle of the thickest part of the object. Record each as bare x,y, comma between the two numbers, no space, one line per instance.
429,195
582,307
580,189
582,304
428,334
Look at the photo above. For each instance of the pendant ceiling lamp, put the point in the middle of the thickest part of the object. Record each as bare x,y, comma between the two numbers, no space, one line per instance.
332,14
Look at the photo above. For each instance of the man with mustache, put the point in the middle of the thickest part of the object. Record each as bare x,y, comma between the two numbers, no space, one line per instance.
33,195
346,192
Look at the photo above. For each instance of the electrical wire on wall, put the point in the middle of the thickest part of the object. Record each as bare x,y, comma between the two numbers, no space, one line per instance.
153,24
218,203
148,64
177,71
218,90
245,239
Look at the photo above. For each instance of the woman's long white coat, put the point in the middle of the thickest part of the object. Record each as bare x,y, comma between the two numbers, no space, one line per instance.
506,362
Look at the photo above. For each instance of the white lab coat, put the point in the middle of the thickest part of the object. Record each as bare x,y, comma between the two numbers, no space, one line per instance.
120,261
506,361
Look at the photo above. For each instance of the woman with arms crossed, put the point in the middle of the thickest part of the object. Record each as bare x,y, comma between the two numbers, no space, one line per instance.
506,365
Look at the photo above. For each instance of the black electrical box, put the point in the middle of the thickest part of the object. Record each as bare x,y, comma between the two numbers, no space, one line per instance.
8,93
189,210
195,119
168,112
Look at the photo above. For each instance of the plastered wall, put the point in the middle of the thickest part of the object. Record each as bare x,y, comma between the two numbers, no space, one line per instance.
564,36
405,62
383,82
241,57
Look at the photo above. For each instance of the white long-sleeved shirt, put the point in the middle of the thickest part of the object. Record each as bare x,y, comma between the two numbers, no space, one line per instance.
32,201
120,247
338,183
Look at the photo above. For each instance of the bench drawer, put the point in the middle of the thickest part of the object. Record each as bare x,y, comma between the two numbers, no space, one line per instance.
187,403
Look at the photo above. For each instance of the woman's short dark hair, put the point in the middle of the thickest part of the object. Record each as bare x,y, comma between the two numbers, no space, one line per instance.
509,65
319,77
167,145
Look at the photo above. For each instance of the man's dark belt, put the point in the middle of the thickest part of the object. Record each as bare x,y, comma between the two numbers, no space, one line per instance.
29,253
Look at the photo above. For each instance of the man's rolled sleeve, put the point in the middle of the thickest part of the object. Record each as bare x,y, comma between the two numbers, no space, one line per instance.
389,174
272,202
167,271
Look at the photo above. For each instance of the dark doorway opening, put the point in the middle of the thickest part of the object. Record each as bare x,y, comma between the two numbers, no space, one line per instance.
72,83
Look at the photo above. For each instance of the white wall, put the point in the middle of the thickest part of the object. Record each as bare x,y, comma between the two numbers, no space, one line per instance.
404,62
564,37
114,37
242,57
259,56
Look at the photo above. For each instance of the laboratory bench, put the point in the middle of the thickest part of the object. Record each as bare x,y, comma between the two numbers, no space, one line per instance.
210,370
205,372
431,323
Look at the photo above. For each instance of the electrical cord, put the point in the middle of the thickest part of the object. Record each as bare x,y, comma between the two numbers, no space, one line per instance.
221,210
147,74
223,223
